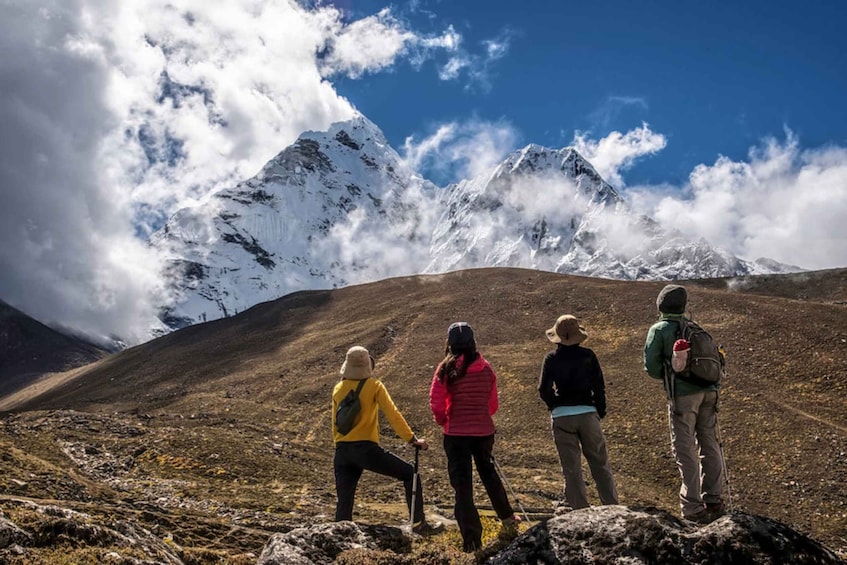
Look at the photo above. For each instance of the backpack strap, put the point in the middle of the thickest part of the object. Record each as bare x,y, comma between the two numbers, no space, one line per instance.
359,388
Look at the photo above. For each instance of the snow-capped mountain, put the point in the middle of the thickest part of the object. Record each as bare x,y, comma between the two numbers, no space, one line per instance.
549,209
309,219
341,207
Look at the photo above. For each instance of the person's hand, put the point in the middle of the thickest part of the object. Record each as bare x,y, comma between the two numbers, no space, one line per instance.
420,444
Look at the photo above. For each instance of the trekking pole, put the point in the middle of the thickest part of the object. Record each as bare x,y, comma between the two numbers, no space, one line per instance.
415,480
723,462
669,389
505,480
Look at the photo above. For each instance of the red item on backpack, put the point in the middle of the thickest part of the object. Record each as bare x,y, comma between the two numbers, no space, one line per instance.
679,359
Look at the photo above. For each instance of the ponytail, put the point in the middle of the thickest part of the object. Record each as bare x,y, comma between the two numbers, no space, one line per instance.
450,370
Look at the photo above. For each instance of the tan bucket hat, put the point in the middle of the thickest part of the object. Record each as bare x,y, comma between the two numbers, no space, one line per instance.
567,331
358,364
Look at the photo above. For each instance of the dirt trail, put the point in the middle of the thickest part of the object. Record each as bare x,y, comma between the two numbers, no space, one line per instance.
809,416
45,383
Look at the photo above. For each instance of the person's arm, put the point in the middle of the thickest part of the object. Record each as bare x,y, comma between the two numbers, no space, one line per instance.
334,404
654,353
438,400
598,386
545,382
493,399
395,418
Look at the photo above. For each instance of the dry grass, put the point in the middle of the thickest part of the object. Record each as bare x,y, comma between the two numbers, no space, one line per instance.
233,426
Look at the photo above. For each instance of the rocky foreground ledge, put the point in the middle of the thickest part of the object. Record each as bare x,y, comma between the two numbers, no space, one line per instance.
608,534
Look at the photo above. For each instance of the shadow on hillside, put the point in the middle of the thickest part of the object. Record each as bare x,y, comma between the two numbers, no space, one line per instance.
166,368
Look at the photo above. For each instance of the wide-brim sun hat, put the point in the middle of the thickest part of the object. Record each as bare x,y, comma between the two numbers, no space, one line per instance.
358,364
567,331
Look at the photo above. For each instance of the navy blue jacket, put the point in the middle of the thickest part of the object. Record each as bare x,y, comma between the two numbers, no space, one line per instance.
571,376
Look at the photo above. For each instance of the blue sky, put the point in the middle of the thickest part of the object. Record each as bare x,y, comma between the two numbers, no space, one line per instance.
723,120
714,77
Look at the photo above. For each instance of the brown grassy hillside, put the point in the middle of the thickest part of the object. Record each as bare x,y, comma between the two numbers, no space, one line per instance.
29,349
230,418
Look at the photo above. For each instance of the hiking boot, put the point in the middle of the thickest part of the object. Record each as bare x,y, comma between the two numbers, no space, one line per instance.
700,517
473,547
425,529
715,509
509,528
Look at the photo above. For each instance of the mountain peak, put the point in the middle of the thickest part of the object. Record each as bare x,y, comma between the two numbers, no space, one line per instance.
567,162
340,206
353,133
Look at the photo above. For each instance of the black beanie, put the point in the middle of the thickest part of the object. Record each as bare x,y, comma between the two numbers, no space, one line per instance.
460,334
672,299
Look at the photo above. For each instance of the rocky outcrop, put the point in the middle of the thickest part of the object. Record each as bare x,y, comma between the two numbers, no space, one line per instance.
323,543
117,541
605,534
11,535
620,535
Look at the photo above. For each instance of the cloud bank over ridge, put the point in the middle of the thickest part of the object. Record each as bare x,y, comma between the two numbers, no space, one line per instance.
114,115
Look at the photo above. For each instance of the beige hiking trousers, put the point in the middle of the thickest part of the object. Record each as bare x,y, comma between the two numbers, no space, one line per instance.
697,450
579,435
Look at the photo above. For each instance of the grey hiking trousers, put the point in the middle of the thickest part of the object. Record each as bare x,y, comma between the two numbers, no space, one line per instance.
694,439
579,435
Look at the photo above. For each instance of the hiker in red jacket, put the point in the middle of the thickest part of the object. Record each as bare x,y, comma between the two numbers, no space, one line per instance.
463,398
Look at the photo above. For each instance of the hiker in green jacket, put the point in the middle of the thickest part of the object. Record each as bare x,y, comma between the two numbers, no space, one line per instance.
692,411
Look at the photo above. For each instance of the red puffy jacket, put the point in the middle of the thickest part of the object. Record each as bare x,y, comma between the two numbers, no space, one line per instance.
465,407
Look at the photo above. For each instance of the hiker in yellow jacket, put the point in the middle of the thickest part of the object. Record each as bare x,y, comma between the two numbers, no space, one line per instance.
359,449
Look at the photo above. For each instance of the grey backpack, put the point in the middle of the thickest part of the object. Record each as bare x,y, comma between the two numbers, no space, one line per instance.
705,363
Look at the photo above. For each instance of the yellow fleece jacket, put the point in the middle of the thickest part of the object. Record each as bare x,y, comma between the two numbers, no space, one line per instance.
373,397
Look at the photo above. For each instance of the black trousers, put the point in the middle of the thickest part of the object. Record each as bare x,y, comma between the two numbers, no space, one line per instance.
353,457
461,450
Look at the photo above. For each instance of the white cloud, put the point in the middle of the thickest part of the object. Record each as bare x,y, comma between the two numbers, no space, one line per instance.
476,65
453,67
461,150
369,44
115,114
375,43
612,107
617,151
372,250
496,48
783,203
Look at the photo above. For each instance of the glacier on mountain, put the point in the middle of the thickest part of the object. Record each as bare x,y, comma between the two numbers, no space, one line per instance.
342,207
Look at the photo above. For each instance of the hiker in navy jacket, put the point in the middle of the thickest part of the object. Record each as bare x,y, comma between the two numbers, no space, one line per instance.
573,388
463,398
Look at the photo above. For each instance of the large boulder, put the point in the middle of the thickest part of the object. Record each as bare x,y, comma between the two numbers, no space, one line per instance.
620,535
11,534
322,543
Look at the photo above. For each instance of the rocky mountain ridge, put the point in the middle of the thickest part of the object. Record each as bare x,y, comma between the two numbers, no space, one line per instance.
280,231
341,207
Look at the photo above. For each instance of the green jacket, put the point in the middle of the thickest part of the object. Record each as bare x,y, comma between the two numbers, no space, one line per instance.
658,350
